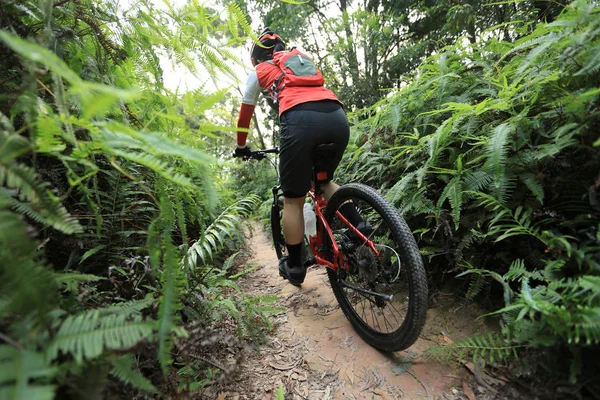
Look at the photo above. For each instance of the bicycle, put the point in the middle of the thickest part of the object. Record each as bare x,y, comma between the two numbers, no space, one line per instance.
384,270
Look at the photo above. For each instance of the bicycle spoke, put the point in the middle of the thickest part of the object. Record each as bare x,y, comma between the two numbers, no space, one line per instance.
386,316
379,270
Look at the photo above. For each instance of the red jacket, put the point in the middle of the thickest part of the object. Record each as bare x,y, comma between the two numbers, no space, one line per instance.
288,97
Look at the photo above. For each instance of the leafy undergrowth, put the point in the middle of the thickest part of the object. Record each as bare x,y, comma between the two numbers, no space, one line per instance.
491,152
119,250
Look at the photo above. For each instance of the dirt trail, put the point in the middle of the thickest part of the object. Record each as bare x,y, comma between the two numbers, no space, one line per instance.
314,353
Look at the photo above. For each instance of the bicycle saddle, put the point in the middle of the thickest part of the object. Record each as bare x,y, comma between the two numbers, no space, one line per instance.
324,151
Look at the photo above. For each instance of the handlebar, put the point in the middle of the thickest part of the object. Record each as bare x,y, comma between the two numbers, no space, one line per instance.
258,154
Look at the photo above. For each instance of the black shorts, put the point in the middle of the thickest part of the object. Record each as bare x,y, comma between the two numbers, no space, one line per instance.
303,128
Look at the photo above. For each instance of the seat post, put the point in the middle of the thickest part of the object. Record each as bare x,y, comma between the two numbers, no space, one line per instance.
317,184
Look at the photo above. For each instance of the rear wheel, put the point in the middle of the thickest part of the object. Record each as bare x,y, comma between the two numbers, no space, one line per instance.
384,297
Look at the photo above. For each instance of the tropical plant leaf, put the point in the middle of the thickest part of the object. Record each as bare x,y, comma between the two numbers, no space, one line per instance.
25,374
125,369
87,335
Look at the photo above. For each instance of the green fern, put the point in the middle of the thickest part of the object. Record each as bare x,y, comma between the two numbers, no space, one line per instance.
42,206
71,281
490,348
476,181
214,236
87,335
497,153
169,304
27,286
125,369
127,308
25,374
453,192
516,271
534,186
478,281
11,144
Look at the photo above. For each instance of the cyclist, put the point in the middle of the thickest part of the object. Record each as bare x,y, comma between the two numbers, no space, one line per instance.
309,116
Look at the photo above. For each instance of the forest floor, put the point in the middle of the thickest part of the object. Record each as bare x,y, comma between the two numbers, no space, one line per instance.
314,353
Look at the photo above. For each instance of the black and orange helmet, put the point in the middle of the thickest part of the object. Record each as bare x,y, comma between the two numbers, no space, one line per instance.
268,39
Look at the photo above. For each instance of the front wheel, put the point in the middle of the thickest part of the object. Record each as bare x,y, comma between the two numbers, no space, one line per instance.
277,229
383,296
278,237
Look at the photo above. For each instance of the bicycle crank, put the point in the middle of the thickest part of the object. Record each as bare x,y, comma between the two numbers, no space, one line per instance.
382,296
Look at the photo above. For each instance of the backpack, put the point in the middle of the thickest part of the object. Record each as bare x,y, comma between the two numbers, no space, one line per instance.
297,69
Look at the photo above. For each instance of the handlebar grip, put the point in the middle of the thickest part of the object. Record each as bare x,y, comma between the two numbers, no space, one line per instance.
257,154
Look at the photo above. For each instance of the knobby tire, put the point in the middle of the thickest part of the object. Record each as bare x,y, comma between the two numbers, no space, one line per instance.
410,263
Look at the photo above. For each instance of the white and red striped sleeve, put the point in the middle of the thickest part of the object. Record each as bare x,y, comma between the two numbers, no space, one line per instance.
249,101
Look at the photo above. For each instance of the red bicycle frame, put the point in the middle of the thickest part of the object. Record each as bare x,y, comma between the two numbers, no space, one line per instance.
316,242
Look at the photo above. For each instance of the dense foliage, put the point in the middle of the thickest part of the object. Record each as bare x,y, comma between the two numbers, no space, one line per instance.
365,48
116,249
492,152
120,223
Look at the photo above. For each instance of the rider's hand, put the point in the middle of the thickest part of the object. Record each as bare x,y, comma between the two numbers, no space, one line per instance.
242,152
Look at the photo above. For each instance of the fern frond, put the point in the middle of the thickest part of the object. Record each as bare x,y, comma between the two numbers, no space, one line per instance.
222,227
43,205
169,304
592,63
236,14
485,200
127,308
27,286
478,281
497,152
477,180
72,280
516,271
48,136
157,165
41,55
453,192
11,144
399,190
87,335
488,348
125,369
589,329
534,186
25,374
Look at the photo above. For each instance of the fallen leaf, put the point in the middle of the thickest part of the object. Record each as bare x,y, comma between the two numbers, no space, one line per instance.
447,339
468,392
222,395
402,364
469,366
282,367
380,393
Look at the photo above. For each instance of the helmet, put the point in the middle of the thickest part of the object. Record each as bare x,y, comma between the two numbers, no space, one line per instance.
268,39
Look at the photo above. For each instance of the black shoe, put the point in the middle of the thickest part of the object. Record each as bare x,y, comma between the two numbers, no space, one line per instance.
363,227
294,275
